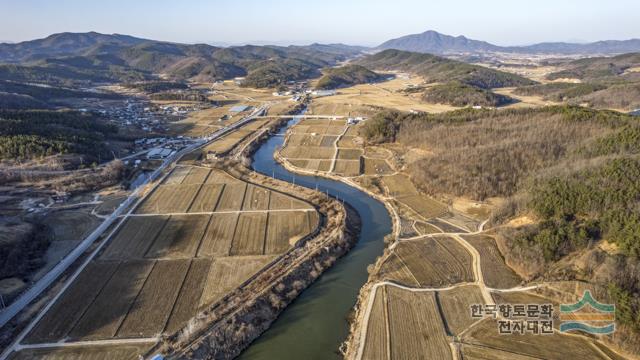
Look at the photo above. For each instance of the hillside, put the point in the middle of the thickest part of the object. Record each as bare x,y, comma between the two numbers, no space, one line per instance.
600,68
347,76
458,94
438,69
433,42
32,134
569,174
96,58
605,82
62,44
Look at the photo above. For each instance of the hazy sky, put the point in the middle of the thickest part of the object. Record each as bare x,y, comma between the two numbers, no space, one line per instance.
366,22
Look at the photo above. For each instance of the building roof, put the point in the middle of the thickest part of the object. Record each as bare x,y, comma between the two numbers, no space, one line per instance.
239,108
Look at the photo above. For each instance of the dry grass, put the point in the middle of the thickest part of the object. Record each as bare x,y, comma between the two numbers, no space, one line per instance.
554,346
307,152
256,198
180,237
61,318
347,167
496,273
207,198
186,305
377,343
218,237
436,262
377,167
177,175
232,197
103,318
349,154
169,199
196,175
456,306
250,234
286,228
70,224
135,237
228,273
98,352
150,312
362,99
426,228
415,326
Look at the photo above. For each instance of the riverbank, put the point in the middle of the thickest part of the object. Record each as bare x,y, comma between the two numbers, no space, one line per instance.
229,326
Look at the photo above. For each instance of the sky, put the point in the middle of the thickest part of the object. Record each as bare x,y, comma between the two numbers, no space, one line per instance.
355,22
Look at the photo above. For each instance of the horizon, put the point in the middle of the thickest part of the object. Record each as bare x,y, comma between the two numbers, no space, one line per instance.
285,22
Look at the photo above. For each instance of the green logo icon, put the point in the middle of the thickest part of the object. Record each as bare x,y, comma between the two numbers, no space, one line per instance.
588,315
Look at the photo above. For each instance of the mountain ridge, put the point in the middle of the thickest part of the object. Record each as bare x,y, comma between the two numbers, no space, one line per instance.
434,42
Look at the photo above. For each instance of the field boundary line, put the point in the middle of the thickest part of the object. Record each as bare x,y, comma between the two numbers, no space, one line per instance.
155,263
87,343
406,267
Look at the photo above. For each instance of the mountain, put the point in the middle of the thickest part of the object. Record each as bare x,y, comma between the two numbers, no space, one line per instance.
436,43
62,44
439,69
83,58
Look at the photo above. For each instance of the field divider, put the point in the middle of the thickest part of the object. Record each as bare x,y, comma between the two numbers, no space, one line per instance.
155,262
175,301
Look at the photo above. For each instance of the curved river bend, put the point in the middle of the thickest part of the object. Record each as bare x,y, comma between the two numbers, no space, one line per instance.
314,325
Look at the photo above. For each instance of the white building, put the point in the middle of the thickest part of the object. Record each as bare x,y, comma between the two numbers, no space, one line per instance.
323,93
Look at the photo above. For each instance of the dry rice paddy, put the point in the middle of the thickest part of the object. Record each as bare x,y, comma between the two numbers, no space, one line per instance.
197,237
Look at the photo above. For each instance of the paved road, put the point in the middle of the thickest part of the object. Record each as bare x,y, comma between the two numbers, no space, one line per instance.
37,288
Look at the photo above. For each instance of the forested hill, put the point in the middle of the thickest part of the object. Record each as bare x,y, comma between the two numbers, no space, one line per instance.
347,76
91,57
438,69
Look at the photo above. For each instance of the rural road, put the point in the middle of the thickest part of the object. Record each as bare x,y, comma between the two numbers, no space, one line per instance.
37,288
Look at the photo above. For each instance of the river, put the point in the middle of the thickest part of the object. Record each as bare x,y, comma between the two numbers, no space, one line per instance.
315,324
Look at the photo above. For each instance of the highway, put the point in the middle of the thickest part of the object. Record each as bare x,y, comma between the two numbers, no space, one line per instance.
42,284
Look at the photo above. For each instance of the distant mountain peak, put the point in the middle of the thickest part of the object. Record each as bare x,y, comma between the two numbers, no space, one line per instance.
434,42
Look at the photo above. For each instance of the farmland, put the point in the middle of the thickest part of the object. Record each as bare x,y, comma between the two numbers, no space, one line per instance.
554,346
197,236
496,273
456,306
431,262
404,324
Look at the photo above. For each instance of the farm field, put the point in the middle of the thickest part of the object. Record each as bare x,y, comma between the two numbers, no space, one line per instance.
103,318
415,325
207,198
286,228
362,100
180,237
250,234
152,307
377,341
169,199
134,238
158,270
226,273
554,346
496,273
456,306
437,261
98,352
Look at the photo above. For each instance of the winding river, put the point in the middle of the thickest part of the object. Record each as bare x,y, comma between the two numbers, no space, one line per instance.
315,324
